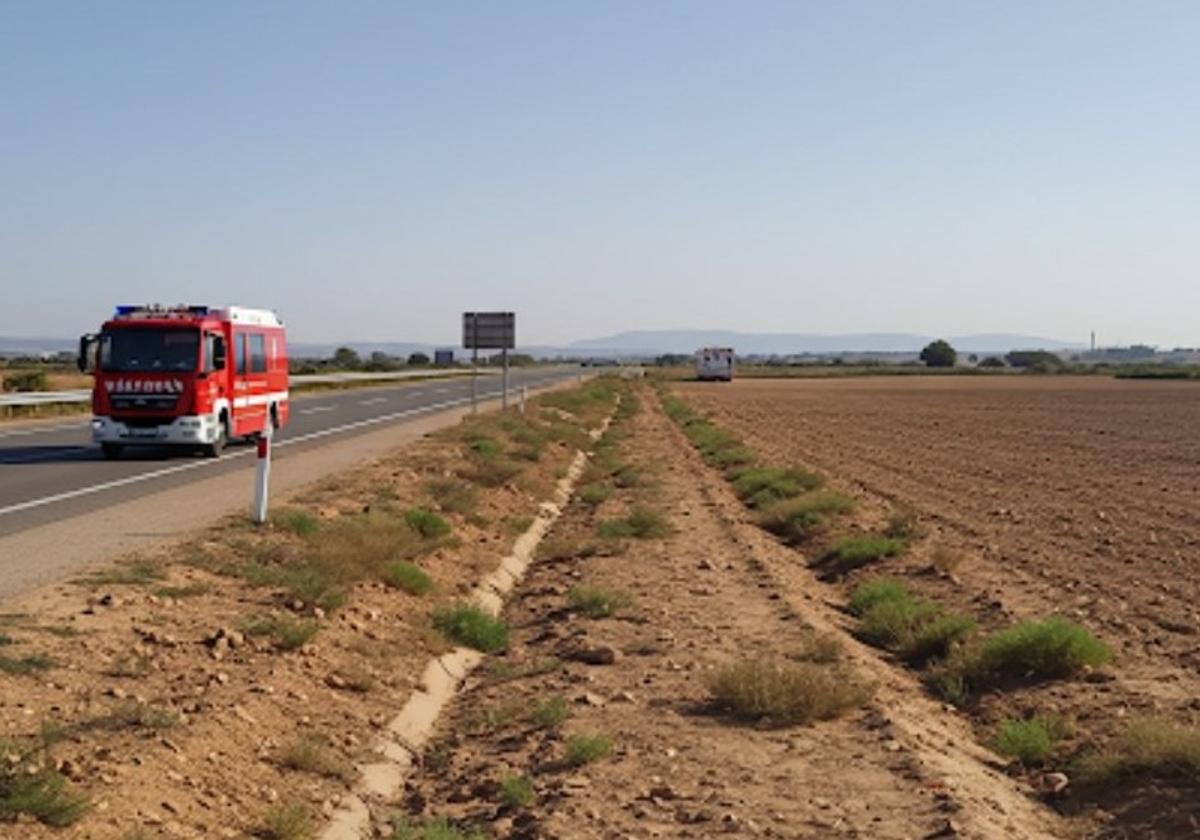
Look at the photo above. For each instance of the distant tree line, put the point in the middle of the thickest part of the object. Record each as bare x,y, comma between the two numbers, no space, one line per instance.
348,359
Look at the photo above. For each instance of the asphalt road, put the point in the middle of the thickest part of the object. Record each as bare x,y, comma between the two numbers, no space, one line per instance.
52,472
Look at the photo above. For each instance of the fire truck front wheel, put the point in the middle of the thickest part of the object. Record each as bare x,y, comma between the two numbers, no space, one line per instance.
214,449
111,451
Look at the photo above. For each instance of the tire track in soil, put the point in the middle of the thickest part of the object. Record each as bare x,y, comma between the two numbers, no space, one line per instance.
717,591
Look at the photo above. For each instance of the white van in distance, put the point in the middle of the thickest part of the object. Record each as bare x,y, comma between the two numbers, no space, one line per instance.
714,364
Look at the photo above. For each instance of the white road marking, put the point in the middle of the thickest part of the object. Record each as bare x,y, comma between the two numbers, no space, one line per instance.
195,465
374,401
40,429
317,409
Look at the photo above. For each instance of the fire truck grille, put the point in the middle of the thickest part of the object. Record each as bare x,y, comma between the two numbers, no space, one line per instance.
145,402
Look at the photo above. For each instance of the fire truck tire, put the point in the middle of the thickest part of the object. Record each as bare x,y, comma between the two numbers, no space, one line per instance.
111,451
214,449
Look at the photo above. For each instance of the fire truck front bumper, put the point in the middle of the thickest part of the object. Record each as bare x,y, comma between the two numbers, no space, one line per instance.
187,430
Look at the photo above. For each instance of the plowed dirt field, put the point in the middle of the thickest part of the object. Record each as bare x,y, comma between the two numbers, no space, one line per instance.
1057,495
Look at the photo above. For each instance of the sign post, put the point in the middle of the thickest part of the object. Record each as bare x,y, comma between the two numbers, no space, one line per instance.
489,331
262,476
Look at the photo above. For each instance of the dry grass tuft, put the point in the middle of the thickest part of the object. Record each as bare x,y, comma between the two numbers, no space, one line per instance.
1148,748
781,693
313,754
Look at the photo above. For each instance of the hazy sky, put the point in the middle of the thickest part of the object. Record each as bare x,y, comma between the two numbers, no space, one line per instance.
371,169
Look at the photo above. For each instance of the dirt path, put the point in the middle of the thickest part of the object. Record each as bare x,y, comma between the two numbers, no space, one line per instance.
717,591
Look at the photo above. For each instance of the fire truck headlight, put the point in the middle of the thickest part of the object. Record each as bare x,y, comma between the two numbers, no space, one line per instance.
97,424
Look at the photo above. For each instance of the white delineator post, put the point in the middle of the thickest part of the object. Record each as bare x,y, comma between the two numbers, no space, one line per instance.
262,476
524,396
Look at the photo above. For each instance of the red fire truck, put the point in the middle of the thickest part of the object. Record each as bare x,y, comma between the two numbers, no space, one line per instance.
185,376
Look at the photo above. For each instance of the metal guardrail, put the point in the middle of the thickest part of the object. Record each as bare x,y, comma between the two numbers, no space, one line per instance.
25,398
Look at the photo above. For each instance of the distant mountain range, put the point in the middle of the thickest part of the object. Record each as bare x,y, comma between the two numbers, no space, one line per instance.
655,342
652,342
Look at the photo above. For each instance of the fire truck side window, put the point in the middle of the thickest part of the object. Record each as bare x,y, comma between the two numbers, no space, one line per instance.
239,353
214,352
258,353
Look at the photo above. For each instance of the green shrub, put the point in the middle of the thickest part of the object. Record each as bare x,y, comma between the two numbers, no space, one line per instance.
452,495
468,625
854,552
797,519
585,749
516,792
27,381
551,712
641,523
299,522
439,829
782,693
936,637
1029,741
313,754
494,472
1055,647
759,487
872,592
628,476
41,794
30,664
293,821
286,631
598,601
426,523
407,577
594,493
486,448
1148,748
892,617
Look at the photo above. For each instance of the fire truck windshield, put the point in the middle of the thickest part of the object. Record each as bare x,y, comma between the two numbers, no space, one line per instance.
149,350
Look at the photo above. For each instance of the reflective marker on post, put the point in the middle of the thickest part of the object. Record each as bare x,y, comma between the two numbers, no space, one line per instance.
262,475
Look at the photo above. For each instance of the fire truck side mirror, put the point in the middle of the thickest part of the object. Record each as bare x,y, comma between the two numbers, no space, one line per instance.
87,347
218,354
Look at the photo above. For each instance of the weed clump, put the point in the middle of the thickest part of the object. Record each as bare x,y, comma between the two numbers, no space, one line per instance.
516,792
407,577
1056,647
782,693
550,713
584,749
24,665
42,795
891,617
759,487
1031,650
452,495
299,522
312,754
469,625
797,519
288,822
598,601
137,572
426,523
594,493
439,829
642,523
851,553
1029,741
1148,747
286,631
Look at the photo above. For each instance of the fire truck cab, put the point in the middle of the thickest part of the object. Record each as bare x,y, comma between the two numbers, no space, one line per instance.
189,376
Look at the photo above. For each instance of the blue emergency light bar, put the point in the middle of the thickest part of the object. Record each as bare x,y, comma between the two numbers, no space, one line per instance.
125,310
